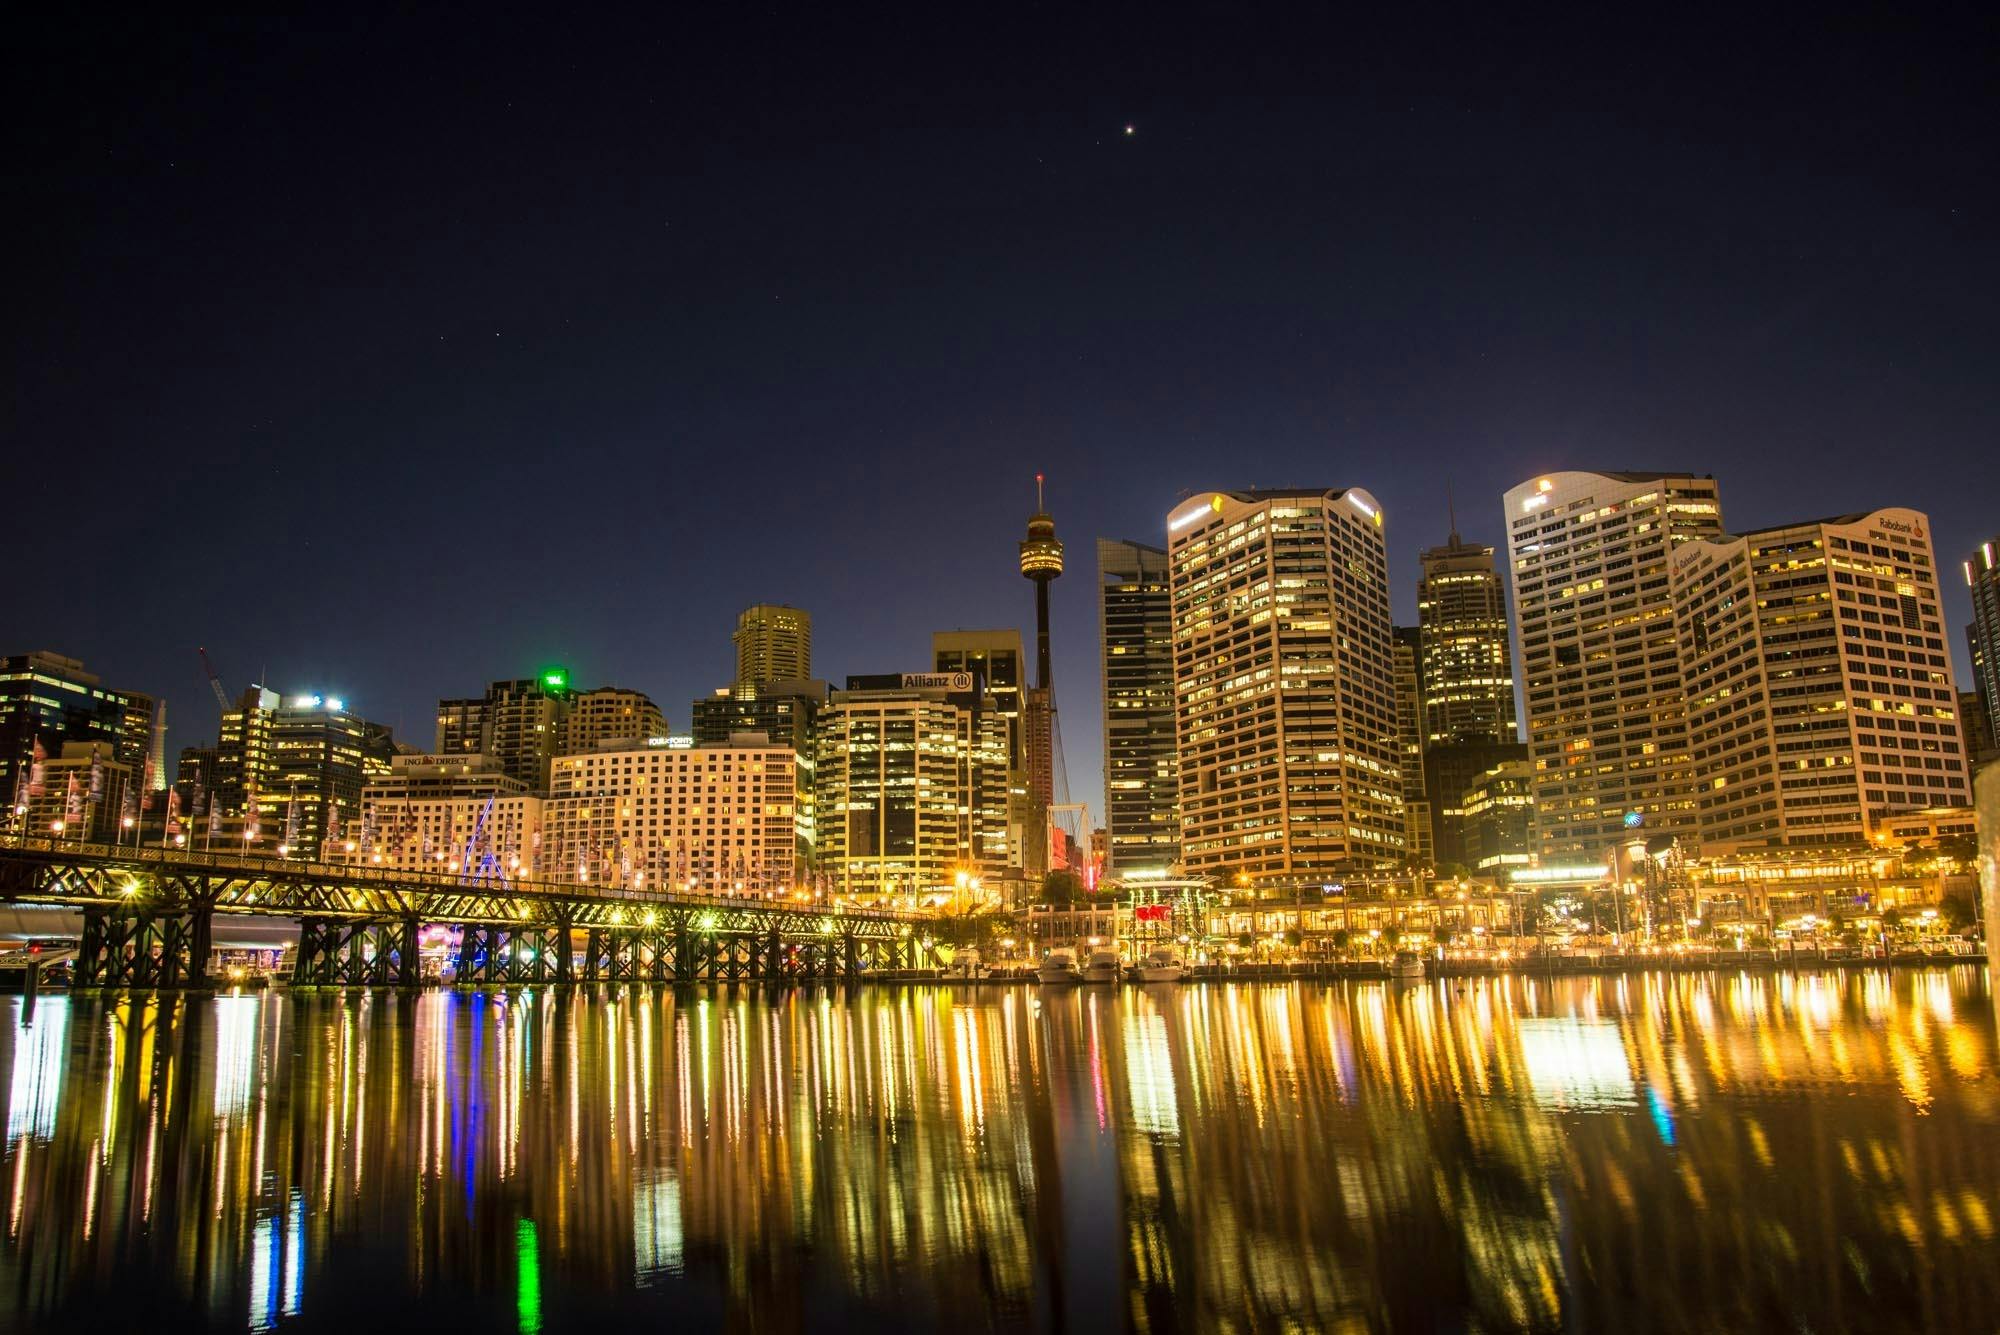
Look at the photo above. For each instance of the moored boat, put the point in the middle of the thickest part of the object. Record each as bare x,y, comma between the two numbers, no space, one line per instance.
1407,967
1058,966
1162,964
1103,966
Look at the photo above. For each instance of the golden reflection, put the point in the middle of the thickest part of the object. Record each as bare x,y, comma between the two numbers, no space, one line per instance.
1727,1151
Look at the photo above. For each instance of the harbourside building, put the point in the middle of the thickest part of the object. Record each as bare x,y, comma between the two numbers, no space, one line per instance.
1284,681
1466,669
522,724
912,783
1410,748
1135,620
51,700
1594,637
458,814
1820,697
783,713
671,815
610,714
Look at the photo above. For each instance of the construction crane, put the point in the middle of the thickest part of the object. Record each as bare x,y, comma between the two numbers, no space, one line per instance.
214,681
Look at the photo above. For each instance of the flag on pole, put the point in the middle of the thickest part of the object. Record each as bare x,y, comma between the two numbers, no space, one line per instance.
146,785
128,809
37,764
332,824
214,817
173,812
73,801
96,776
292,819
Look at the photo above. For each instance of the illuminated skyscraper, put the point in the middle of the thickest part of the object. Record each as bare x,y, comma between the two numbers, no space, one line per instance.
912,783
1135,618
519,723
1410,747
773,643
1284,682
1467,672
1594,633
610,714
1819,687
1982,636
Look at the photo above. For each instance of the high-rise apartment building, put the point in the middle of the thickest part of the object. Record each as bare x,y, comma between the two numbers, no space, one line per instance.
50,698
84,795
1819,687
243,761
1594,635
610,714
995,661
912,784
698,819
460,814
1417,846
1466,669
317,756
783,713
1284,681
1135,625
1982,635
773,643
521,723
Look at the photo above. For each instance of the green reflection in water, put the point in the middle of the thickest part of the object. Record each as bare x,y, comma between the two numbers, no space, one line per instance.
527,1278
1681,1152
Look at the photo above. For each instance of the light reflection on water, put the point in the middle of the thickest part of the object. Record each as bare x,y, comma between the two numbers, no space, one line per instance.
1687,1152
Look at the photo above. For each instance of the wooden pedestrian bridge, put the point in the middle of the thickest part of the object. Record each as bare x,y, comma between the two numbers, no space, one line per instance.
148,914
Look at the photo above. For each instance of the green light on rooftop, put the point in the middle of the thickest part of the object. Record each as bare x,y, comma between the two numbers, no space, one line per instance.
556,679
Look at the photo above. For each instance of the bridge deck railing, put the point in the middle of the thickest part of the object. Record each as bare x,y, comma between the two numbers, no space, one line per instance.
256,864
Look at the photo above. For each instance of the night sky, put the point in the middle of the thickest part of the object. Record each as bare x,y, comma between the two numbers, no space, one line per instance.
389,357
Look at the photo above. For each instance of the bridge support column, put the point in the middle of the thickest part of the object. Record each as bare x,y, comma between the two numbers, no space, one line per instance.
92,948
561,940
407,963
774,957
852,965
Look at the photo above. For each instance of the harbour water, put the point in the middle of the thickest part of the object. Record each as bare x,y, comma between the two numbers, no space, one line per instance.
1815,1151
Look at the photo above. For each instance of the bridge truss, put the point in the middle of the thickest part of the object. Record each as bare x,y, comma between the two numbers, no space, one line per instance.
148,914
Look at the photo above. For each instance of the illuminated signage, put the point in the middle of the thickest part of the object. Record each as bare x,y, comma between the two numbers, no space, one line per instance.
556,679
1214,506
1558,873
937,681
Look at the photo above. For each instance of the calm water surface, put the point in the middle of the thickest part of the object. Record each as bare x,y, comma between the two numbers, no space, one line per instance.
1819,1152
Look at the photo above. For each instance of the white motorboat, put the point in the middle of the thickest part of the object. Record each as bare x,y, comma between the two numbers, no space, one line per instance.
1059,966
1407,967
1163,964
1103,966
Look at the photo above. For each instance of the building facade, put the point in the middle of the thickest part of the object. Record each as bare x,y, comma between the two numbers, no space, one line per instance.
1597,655
319,757
997,664
521,723
1982,634
675,816
1284,683
1820,697
773,643
456,814
50,699
1418,848
913,786
1464,663
1498,816
1135,628
609,714
783,713
86,794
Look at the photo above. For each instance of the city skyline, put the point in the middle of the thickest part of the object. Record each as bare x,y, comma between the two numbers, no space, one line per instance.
417,387
1076,648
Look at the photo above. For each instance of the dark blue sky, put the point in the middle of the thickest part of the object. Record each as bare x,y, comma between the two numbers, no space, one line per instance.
390,356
